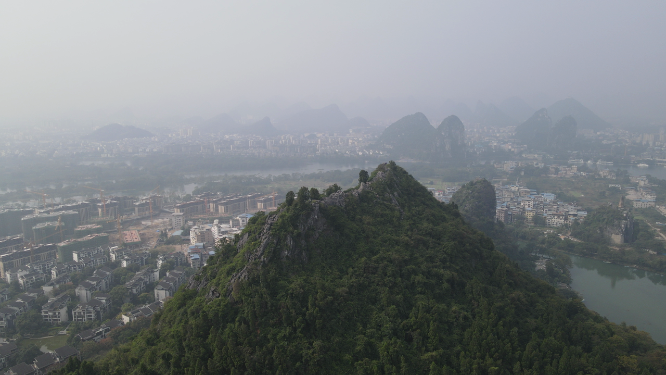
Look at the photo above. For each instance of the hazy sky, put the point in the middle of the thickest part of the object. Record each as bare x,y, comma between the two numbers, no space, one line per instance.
200,57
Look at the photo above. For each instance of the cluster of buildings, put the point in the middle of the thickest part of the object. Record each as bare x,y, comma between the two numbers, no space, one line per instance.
641,196
515,201
209,204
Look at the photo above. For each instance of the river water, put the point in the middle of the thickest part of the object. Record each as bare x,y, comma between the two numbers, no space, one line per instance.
622,294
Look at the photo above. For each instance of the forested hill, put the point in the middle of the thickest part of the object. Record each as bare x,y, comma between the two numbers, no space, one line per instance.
378,279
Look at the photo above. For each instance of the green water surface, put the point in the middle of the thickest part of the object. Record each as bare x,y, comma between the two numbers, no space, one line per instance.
622,294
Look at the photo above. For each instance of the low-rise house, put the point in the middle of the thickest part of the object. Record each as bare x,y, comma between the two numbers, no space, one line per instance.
106,275
14,273
7,317
99,333
29,279
21,369
116,253
27,299
45,363
140,281
48,362
142,312
93,261
7,350
86,288
138,259
166,288
4,295
87,253
54,283
178,259
55,310
91,310
43,266
21,307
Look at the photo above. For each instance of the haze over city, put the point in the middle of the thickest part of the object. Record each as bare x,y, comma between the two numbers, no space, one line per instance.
85,61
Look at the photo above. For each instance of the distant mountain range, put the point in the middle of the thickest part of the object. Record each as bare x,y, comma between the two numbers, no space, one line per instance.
329,119
116,132
300,118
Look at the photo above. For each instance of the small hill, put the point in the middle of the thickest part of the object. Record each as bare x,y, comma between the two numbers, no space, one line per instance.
327,119
585,118
534,132
382,278
116,132
412,136
453,132
222,123
262,128
476,200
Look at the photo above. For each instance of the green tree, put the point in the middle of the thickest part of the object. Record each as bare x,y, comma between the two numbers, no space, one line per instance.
363,176
539,220
303,195
314,194
289,198
127,307
332,189
118,295
30,322
25,354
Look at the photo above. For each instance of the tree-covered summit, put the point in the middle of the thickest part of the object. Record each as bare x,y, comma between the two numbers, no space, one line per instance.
378,279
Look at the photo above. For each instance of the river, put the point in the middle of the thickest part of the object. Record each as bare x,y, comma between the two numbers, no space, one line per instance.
622,294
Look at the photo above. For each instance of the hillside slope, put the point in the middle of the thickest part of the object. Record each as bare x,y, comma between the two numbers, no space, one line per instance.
378,279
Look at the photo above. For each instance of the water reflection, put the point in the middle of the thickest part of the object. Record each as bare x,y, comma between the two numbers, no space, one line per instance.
622,294
613,272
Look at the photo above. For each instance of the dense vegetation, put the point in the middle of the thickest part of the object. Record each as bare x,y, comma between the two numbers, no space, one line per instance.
476,201
378,279
597,224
